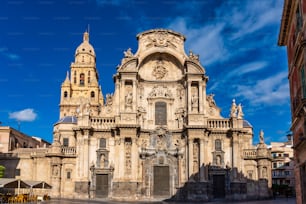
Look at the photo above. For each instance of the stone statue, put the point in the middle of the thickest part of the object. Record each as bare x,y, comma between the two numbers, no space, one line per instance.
109,99
211,101
128,53
194,101
233,109
192,56
261,136
239,111
129,99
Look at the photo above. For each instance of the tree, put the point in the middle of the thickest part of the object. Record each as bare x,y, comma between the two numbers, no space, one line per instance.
2,169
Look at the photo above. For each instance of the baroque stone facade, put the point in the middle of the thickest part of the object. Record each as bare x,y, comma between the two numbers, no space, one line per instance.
158,136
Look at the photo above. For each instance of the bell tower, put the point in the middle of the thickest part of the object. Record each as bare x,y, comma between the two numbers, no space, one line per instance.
82,86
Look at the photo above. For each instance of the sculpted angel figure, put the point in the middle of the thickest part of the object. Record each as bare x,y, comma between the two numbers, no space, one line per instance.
128,53
239,111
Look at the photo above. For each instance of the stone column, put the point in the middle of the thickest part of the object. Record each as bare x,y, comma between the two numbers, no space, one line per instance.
134,158
190,157
56,176
200,98
179,170
189,96
86,156
202,165
118,96
235,155
134,95
122,96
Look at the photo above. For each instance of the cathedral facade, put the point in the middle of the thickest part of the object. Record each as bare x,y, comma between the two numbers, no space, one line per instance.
158,136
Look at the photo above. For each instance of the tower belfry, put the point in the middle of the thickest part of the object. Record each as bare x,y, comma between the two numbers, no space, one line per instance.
82,87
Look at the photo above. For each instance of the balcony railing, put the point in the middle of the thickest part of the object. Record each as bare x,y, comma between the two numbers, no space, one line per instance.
69,151
218,123
250,154
103,122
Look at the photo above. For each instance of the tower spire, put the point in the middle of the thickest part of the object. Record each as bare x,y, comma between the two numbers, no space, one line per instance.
86,36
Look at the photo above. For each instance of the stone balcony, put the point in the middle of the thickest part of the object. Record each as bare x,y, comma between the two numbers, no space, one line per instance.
68,151
249,154
219,123
103,122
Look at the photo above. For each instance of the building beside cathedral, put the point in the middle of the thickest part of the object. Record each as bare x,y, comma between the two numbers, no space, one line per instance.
158,136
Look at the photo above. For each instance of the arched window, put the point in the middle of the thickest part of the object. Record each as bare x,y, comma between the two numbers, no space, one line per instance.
160,113
218,146
82,77
65,94
88,77
92,94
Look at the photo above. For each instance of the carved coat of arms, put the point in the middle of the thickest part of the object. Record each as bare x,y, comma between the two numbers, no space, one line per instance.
159,70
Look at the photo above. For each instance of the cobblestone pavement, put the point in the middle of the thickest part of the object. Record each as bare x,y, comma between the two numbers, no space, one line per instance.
275,201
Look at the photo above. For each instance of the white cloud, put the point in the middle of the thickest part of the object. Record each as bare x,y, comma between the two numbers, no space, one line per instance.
220,38
250,67
250,17
207,41
23,115
5,52
238,72
273,90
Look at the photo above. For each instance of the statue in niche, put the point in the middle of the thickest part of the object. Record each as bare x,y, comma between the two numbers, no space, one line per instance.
55,171
239,111
129,99
218,160
194,102
128,53
102,161
233,109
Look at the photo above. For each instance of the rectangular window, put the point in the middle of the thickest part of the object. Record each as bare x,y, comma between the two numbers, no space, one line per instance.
102,143
17,172
274,165
286,155
66,142
287,173
68,174
160,113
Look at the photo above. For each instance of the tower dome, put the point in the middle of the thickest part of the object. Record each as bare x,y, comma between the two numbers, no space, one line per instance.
85,47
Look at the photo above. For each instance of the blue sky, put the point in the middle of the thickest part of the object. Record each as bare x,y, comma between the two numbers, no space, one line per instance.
236,41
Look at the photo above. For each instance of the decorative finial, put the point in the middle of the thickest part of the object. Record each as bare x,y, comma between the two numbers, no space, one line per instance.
86,36
67,76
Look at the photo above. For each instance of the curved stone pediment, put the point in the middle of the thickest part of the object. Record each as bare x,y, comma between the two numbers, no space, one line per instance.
161,41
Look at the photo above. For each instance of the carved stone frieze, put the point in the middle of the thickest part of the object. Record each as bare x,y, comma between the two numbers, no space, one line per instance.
161,39
160,91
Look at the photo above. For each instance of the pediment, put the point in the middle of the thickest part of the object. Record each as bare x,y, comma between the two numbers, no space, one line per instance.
194,68
129,65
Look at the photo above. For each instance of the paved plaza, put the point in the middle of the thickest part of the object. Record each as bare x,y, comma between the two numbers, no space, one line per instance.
277,200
